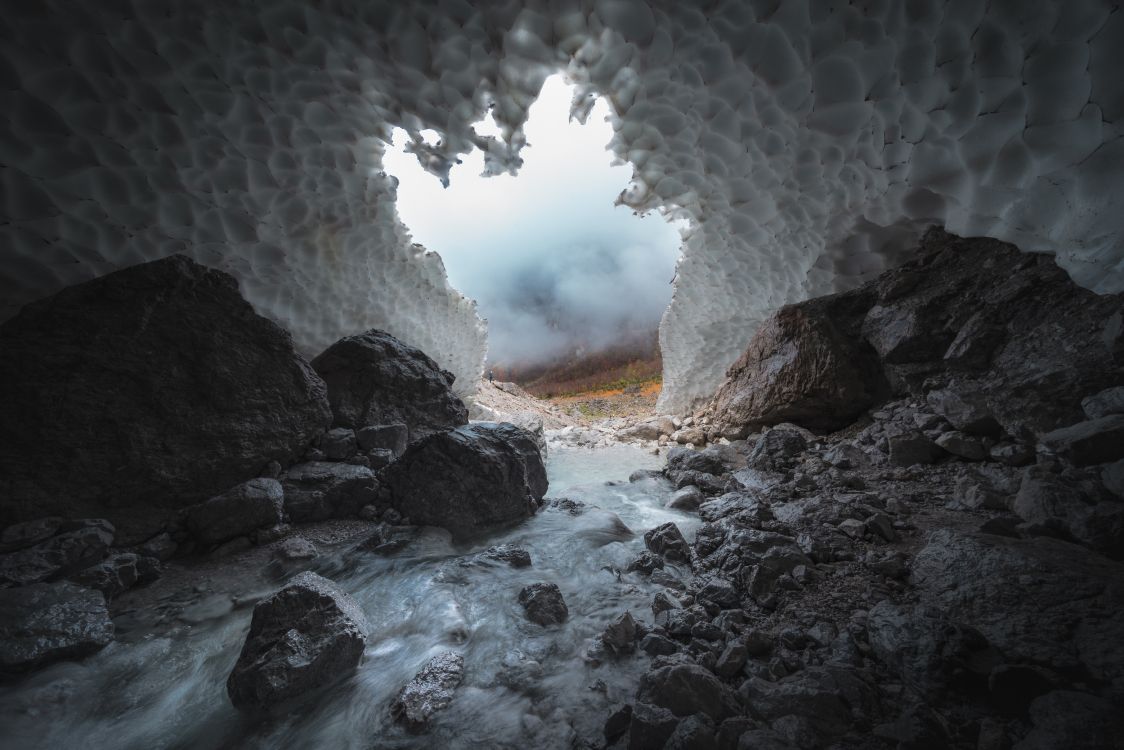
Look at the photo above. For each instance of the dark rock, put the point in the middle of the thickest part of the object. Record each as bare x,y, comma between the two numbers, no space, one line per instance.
714,459
960,444
295,549
966,411
516,557
1012,454
543,604
46,622
776,450
320,490
830,699
720,591
617,724
917,728
654,644
639,476
118,573
800,368
238,511
693,733
162,547
78,545
1014,686
379,458
1097,441
145,391
731,660
650,726
1001,526
686,689
388,540
645,564
22,535
1070,507
913,448
1040,601
667,541
1109,401
375,379
1112,477
620,635
391,437
1069,719
430,691
687,499
469,480
338,444
305,636
235,546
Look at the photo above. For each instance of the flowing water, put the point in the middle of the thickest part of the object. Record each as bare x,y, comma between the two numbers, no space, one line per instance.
162,684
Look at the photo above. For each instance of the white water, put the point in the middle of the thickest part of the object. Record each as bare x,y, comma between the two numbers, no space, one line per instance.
162,684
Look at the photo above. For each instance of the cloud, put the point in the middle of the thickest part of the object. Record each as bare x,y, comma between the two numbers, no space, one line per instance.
551,261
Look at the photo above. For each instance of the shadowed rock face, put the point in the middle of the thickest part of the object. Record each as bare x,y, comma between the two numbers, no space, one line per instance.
144,391
468,480
375,379
1003,340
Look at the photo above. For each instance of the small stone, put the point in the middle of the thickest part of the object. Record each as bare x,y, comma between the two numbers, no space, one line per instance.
667,540
620,635
543,604
654,644
853,528
391,437
237,512
338,444
687,499
516,557
646,564
881,525
161,546
430,691
959,444
731,660
295,548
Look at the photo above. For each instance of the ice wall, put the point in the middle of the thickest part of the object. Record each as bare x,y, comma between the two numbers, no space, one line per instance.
807,141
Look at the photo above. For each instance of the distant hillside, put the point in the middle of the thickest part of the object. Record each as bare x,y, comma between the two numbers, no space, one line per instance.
631,362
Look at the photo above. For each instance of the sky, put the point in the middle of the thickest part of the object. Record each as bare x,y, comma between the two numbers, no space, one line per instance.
553,265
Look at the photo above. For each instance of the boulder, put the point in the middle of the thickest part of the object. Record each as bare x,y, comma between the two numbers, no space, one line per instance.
339,444
913,448
391,437
687,499
543,604
251,505
532,424
1041,600
143,392
429,691
307,635
777,450
375,379
667,541
799,368
78,545
1107,402
469,480
46,622
1096,441
319,490
686,689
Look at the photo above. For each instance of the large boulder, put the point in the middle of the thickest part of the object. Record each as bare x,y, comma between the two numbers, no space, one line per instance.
375,379
1039,600
468,480
319,490
238,511
145,391
305,636
799,368
46,622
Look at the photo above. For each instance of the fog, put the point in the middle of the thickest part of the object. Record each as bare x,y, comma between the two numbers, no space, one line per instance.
553,265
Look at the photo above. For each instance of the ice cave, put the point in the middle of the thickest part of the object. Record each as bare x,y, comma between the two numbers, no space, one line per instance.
257,488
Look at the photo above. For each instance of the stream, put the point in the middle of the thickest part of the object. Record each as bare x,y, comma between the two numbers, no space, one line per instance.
162,683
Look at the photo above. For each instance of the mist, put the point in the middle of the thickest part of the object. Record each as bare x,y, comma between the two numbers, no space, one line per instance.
554,266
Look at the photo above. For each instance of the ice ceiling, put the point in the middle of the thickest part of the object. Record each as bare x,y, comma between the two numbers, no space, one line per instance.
807,142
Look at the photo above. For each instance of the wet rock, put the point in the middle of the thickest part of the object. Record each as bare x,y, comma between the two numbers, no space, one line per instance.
188,422
516,557
687,499
913,448
1039,600
617,724
251,505
645,564
641,474
338,444
469,480
1096,441
667,541
295,549
543,604
375,379
776,450
305,636
720,591
387,539
654,644
46,622
800,368
965,446
686,689
319,490
78,545
430,691
388,437
620,635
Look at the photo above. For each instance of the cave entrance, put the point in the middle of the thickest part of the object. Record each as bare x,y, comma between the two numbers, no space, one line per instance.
572,286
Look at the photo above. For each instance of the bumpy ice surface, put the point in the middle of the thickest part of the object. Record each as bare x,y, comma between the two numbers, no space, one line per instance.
808,143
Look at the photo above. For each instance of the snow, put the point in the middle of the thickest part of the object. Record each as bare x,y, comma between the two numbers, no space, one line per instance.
807,143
